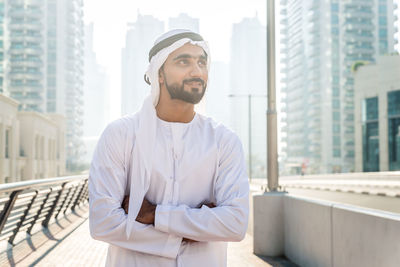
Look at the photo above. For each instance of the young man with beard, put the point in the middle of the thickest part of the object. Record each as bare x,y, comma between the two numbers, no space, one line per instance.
167,186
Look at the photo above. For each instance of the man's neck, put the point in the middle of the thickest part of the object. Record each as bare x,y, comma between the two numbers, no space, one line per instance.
175,110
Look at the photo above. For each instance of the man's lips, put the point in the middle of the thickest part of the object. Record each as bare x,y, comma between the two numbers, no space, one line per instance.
194,84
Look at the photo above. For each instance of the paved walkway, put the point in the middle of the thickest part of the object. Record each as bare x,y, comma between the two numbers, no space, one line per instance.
70,244
79,249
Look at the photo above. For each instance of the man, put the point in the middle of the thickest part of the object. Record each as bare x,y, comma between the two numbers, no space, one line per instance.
183,176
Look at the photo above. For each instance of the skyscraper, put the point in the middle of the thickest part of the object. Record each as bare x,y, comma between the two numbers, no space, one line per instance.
96,109
95,90
184,21
248,87
25,54
43,55
65,70
217,93
139,39
2,26
321,42
396,4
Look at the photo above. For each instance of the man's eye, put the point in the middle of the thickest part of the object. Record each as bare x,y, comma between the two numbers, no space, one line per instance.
202,63
183,62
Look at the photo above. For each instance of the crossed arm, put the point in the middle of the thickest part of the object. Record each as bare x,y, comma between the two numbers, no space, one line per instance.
159,230
147,212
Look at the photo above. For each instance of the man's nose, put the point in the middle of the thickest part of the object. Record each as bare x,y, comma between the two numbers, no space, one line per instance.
196,71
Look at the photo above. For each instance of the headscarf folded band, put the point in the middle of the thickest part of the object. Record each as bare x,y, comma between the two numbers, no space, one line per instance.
169,41
172,39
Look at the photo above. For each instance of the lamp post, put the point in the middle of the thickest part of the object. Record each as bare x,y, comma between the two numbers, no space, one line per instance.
272,129
249,96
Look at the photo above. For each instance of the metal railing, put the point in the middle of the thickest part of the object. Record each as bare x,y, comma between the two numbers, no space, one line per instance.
27,204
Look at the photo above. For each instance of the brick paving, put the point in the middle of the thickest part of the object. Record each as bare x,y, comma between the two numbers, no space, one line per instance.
79,249
71,245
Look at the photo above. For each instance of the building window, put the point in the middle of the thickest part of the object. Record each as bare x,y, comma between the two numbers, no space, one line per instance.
37,147
336,116
370,135
336,128
394,129
336,153
335,91
7,145
335,103
383,33
336,140
382,9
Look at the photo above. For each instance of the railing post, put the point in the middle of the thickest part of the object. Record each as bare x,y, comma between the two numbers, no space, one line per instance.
78,197
8,207
16,230
39,211
84,194
46,221
64,201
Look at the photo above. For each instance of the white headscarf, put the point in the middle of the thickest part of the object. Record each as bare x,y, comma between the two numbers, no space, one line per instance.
146,134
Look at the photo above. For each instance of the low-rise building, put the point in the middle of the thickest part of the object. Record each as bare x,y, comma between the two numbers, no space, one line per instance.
32,144
10,161
377,115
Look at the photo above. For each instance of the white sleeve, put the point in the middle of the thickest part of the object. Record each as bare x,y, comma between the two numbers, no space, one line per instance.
107,184
226,222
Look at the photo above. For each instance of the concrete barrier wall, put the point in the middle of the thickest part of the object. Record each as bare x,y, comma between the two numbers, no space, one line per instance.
364,237
321,233
307,231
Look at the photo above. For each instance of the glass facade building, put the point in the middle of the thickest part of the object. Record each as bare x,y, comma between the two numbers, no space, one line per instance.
42,55
2,13
377,115
26,57
394,129
370,135
321,42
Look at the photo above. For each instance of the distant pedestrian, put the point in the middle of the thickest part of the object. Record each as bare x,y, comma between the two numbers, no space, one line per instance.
303,168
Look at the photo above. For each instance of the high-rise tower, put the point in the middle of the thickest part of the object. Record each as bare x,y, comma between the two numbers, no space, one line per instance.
321,42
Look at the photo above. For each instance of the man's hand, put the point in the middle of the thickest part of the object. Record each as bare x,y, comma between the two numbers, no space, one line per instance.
210,205
147,212
125,204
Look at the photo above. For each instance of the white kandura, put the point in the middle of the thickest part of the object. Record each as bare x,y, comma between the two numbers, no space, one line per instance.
193,163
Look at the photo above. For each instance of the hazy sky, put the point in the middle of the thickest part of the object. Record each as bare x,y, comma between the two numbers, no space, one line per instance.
111,18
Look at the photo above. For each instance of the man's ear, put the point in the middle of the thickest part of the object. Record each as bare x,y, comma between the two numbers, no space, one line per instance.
161,75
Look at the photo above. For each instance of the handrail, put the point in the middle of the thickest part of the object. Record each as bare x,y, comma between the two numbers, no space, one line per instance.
39,182
26,204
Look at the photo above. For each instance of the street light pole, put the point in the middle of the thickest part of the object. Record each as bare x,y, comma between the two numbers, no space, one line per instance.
249,124
272,131
249,96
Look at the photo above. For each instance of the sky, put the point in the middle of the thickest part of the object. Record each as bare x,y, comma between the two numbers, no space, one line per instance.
111,18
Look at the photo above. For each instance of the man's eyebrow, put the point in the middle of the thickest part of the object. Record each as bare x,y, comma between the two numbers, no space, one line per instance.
188,56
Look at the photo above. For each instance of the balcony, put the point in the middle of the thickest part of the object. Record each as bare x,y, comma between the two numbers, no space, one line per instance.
26,50
359,50
350,37
37,14
359,26
16,12
25,75
360,14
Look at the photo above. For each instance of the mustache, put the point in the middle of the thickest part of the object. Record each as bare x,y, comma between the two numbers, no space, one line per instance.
194,80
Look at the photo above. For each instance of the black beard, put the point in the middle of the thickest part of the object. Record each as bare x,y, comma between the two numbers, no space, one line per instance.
178,92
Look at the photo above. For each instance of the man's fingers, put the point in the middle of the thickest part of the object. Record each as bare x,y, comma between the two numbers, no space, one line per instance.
125,204
210,205
189,240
